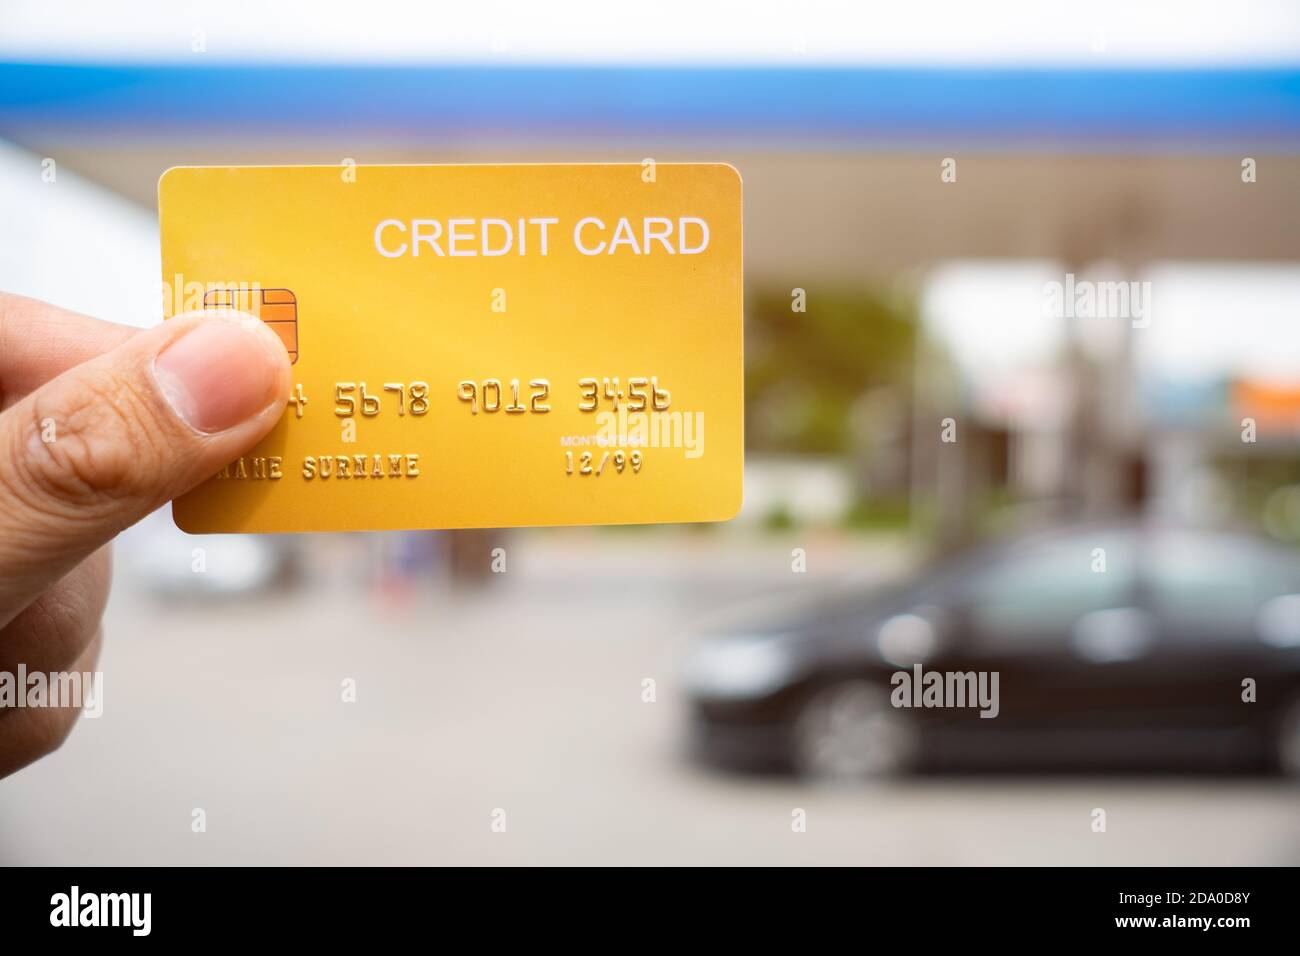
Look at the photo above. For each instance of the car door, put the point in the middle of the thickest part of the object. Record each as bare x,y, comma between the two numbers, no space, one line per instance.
1059,619
1221,602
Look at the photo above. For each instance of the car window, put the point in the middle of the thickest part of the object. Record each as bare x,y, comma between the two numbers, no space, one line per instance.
1041,589
1203,581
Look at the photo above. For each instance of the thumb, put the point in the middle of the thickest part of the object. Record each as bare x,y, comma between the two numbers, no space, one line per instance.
107,442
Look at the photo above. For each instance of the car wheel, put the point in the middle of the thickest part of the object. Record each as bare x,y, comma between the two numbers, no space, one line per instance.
1288,741
849,732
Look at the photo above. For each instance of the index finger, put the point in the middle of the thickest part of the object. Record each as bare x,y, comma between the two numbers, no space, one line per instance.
39,341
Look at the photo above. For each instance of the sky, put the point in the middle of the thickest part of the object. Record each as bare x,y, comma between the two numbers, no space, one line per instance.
1063,33
1206,320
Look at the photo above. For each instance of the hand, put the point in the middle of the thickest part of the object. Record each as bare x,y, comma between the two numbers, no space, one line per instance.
99,425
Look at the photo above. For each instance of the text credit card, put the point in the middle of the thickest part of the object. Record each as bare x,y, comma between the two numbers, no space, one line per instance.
474,346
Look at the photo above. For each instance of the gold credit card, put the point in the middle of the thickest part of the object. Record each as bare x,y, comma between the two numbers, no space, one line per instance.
474,346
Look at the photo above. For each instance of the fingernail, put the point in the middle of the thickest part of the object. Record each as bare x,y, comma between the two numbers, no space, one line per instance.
220,373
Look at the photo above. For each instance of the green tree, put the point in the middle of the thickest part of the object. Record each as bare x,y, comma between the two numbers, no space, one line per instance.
805,370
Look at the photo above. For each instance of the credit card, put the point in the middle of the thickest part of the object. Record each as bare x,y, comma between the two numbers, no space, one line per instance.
474,346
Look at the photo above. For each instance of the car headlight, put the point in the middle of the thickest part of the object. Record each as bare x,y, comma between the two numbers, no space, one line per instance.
740,666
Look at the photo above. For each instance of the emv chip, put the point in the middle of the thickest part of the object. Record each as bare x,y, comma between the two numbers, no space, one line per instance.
278,308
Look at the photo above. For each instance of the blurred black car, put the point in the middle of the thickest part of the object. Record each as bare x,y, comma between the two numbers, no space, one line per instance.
1118,647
